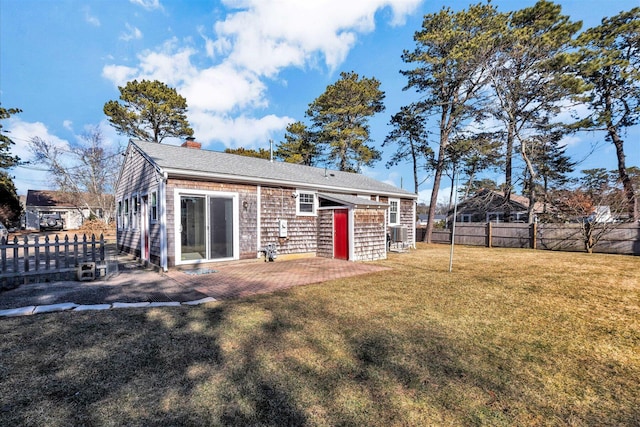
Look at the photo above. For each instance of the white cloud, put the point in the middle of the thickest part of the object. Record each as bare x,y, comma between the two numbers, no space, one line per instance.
222,89
119,74
132,33
267,35
89,18
148,4
242,131
68,124
255,42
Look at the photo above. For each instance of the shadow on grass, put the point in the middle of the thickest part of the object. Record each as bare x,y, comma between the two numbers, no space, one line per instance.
272,360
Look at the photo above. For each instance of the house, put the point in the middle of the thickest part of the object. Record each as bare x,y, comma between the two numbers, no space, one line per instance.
179,206
41,203
491,206
423,219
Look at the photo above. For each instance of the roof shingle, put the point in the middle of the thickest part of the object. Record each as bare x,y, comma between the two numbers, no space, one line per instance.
204,163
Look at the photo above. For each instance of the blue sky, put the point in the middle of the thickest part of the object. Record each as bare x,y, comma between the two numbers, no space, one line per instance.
246,67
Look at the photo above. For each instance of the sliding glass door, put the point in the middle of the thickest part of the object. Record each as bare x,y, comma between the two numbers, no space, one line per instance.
220,227
207,225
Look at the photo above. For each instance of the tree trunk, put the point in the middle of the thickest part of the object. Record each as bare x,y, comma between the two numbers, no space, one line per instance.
627,185
508,166
415,168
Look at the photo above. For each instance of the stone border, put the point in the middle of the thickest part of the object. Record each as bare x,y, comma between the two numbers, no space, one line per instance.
69,306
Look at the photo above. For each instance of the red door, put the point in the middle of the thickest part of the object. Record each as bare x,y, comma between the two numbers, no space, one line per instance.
341,234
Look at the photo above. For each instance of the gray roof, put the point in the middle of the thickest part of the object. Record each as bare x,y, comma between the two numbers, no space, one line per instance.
198,163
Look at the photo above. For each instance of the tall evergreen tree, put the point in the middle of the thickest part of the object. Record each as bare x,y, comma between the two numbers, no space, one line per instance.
453,51
150,110
300,145
10,208
529,81
410,138
609,61
340,117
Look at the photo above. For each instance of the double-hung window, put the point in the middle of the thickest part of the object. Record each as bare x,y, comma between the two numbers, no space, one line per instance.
154,206
394,211
306,203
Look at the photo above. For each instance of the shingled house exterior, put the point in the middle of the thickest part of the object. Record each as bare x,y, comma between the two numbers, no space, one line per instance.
179,206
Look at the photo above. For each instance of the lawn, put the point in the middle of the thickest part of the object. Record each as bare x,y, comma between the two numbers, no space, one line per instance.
511,337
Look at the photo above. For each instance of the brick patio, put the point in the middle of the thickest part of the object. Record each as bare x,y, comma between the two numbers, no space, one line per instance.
238,280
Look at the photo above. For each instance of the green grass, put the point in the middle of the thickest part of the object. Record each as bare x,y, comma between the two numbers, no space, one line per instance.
511,337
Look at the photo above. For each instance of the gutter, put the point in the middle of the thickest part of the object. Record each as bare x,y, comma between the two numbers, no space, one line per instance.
181,173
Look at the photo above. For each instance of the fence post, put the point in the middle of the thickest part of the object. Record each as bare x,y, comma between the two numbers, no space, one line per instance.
93,248
25,252
75,248
47,254
56,251
489,235
534,235
15,255
102,249
36,248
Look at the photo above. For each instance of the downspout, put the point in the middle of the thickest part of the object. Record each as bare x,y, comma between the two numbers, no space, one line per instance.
351,232
162,196
413,215
258,220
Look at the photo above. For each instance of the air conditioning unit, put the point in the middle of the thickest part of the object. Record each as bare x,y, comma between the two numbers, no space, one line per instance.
398,233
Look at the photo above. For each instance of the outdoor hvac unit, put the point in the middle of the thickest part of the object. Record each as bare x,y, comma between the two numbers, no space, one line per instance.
398,233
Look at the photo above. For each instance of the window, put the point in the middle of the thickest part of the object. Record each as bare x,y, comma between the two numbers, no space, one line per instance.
495,217
154,206
119,214
306,204
465,218
125,222
394,211
134,208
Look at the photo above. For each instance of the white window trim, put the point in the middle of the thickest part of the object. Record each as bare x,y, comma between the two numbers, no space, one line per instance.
151,195
135,212
497,219
119,215
314,211
177,192
126,212
397,222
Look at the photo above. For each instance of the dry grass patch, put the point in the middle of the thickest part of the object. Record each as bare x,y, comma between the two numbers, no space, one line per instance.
511,337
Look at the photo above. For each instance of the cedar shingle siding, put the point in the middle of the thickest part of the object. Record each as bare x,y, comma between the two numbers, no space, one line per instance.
263,194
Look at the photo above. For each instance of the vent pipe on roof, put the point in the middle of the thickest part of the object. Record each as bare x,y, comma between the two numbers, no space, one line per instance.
271,150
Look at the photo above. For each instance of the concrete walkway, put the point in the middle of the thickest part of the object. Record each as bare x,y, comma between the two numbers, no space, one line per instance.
135,287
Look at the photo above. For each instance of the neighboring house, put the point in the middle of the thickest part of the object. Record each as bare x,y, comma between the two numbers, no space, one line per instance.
424,218
179,206
491,206
41,203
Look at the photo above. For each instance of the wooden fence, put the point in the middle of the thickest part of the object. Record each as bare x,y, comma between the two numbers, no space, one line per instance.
23,260
621,239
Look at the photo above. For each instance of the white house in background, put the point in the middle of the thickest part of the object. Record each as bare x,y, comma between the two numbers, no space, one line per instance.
41,202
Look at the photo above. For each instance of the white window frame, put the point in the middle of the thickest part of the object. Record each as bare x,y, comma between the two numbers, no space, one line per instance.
466,217
300,194
119,215
397,212
126,213
179,192
135,211
499,217
153,207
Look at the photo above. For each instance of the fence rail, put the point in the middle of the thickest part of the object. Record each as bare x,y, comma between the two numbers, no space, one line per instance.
621,239
23,260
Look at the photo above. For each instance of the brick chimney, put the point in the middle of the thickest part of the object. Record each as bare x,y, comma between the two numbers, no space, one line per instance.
191,143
